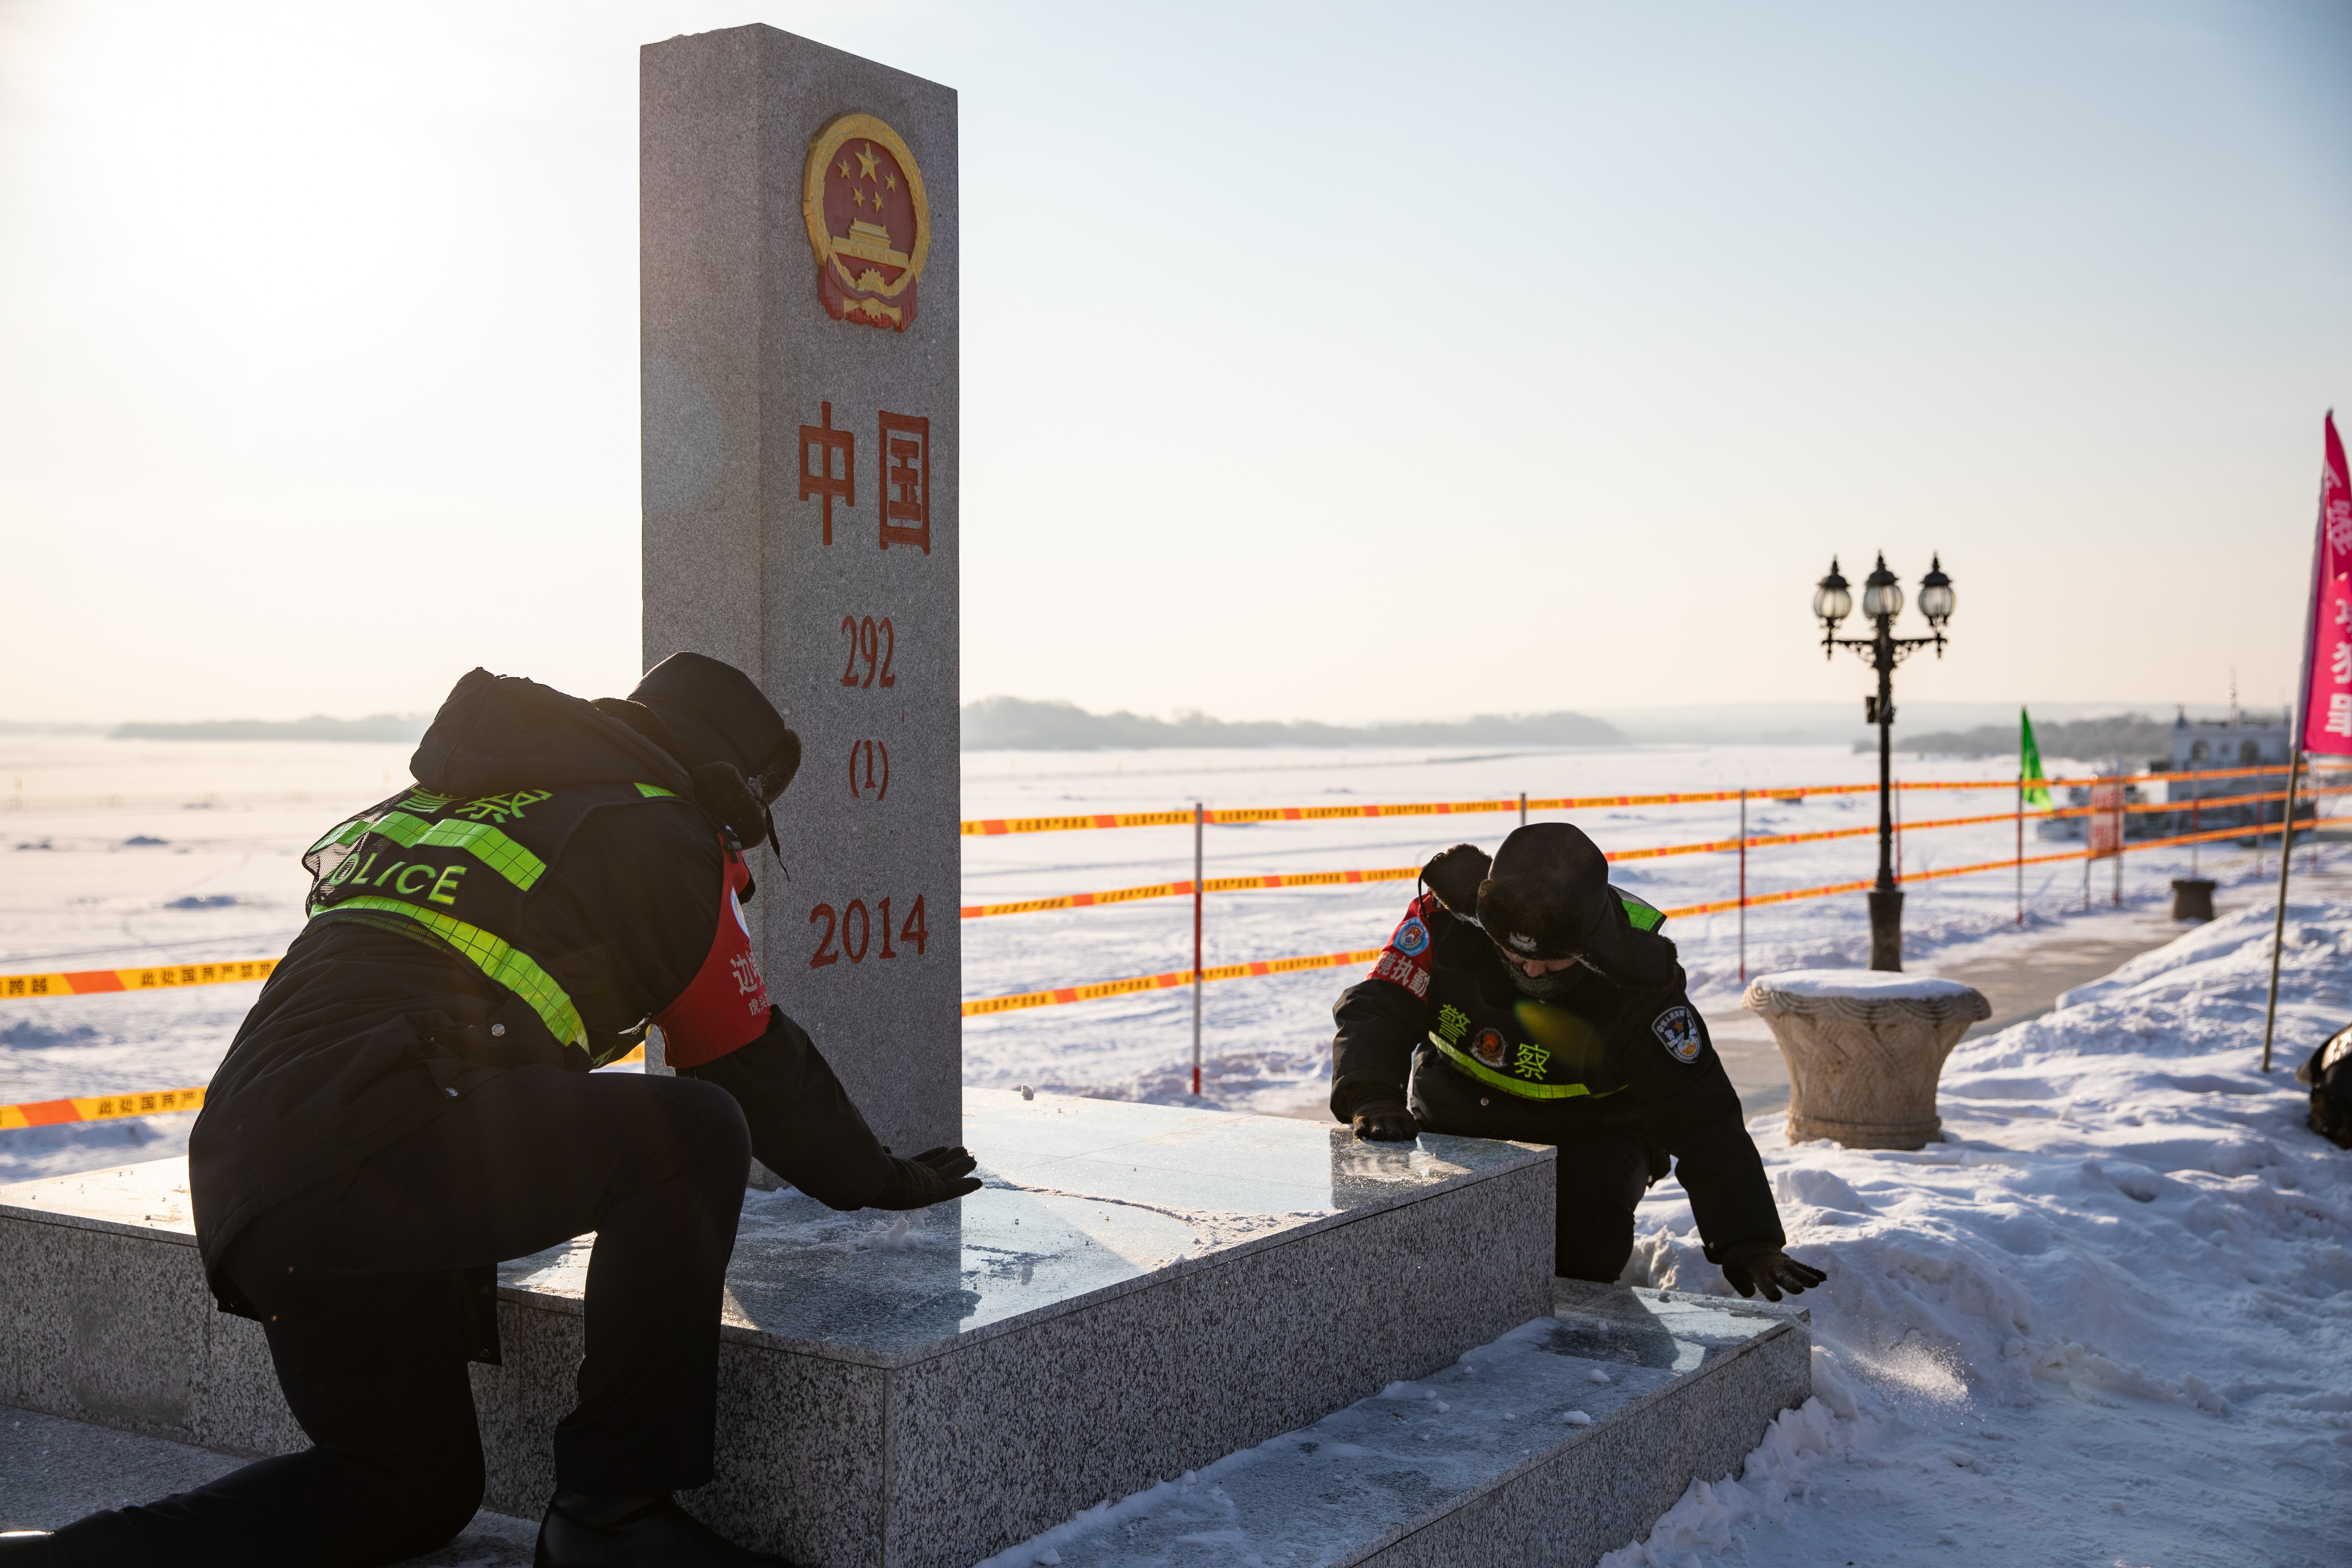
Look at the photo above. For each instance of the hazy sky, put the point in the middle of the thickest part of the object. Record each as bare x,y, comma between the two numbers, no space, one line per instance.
1352,362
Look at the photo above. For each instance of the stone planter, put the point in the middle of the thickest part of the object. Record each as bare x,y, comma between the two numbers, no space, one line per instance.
1864,1050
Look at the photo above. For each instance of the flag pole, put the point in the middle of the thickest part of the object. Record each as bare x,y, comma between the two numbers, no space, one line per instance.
2278,928
2028,772
2298,712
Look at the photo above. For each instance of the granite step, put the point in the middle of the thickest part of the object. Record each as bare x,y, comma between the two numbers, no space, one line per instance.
1559,1442
1485,1461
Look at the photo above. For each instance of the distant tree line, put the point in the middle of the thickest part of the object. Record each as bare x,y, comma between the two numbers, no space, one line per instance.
1017,724
2133,736
318,727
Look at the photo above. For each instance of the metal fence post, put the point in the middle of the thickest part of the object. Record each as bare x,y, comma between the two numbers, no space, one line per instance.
2278,927
2122,792
1200,820
2021,849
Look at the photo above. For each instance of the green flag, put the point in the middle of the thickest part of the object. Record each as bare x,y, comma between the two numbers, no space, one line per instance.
2029,763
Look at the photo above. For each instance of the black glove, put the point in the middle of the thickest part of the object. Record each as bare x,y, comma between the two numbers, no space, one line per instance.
1382,1119
933,1176
1756,1266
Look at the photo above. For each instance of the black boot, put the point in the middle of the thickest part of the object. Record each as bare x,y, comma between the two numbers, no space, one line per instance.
582,1531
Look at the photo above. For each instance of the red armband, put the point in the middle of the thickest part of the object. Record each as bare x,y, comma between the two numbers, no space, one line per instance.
1406,959
726,1007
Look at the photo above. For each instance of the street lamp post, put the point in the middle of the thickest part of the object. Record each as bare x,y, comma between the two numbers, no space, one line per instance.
1881,601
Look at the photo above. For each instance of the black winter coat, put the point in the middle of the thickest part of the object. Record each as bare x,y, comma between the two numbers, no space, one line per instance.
365,1033
1651,1067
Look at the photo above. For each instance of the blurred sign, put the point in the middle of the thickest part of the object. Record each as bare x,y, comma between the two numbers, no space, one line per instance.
2106,818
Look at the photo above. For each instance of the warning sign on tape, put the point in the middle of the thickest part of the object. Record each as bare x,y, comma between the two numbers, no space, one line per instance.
94,981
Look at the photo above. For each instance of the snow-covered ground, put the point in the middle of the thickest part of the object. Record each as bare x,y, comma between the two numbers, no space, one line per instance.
2107,1320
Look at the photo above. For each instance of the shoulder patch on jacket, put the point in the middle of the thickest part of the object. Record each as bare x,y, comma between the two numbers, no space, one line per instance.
1677,1030
1406,959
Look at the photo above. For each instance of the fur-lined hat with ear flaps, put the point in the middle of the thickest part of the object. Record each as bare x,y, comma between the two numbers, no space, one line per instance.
1547,893
1547,896
712,719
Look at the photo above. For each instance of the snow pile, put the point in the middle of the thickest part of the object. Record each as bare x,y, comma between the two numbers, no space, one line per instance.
1774,1481
2126,1225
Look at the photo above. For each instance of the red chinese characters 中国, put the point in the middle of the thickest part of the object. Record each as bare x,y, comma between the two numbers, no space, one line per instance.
906,458
819,445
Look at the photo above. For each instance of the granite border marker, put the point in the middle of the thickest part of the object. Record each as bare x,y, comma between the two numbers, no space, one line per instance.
799,306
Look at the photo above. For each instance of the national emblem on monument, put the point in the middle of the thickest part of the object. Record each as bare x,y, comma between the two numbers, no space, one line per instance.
868,221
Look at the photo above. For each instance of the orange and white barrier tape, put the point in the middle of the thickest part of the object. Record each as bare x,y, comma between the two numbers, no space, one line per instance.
96,982
993,827
1169,982
982,1006
100,1108
1172,889
144,1102
1706,847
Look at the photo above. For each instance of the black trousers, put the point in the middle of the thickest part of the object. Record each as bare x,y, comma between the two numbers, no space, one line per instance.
1601,1178
358,1282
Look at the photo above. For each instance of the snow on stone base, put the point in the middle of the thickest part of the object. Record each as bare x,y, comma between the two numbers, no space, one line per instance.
1869,984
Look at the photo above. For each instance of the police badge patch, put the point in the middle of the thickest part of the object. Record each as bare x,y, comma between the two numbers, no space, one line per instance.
1677,1030
1411,938
1488,1047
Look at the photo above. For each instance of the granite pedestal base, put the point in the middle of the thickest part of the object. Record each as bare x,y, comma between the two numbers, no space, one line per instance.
1137,1291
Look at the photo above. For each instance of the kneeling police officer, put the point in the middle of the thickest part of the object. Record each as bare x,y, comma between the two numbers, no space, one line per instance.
1526,999
410,1103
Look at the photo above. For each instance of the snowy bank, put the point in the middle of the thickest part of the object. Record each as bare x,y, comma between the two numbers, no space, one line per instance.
2108,1318
2105,1321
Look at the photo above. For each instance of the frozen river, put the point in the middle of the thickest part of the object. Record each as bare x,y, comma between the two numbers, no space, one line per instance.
121,853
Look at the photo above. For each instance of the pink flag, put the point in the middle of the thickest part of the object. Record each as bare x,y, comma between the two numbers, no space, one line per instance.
2328,655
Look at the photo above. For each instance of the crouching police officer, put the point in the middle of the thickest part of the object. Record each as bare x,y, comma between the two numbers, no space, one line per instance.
1526,999
410,1103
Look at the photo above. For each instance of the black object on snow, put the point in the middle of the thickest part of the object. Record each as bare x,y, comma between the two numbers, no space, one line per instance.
2328,1074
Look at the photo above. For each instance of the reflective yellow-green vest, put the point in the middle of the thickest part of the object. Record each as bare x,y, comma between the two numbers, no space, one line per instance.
1535,1049
458,872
